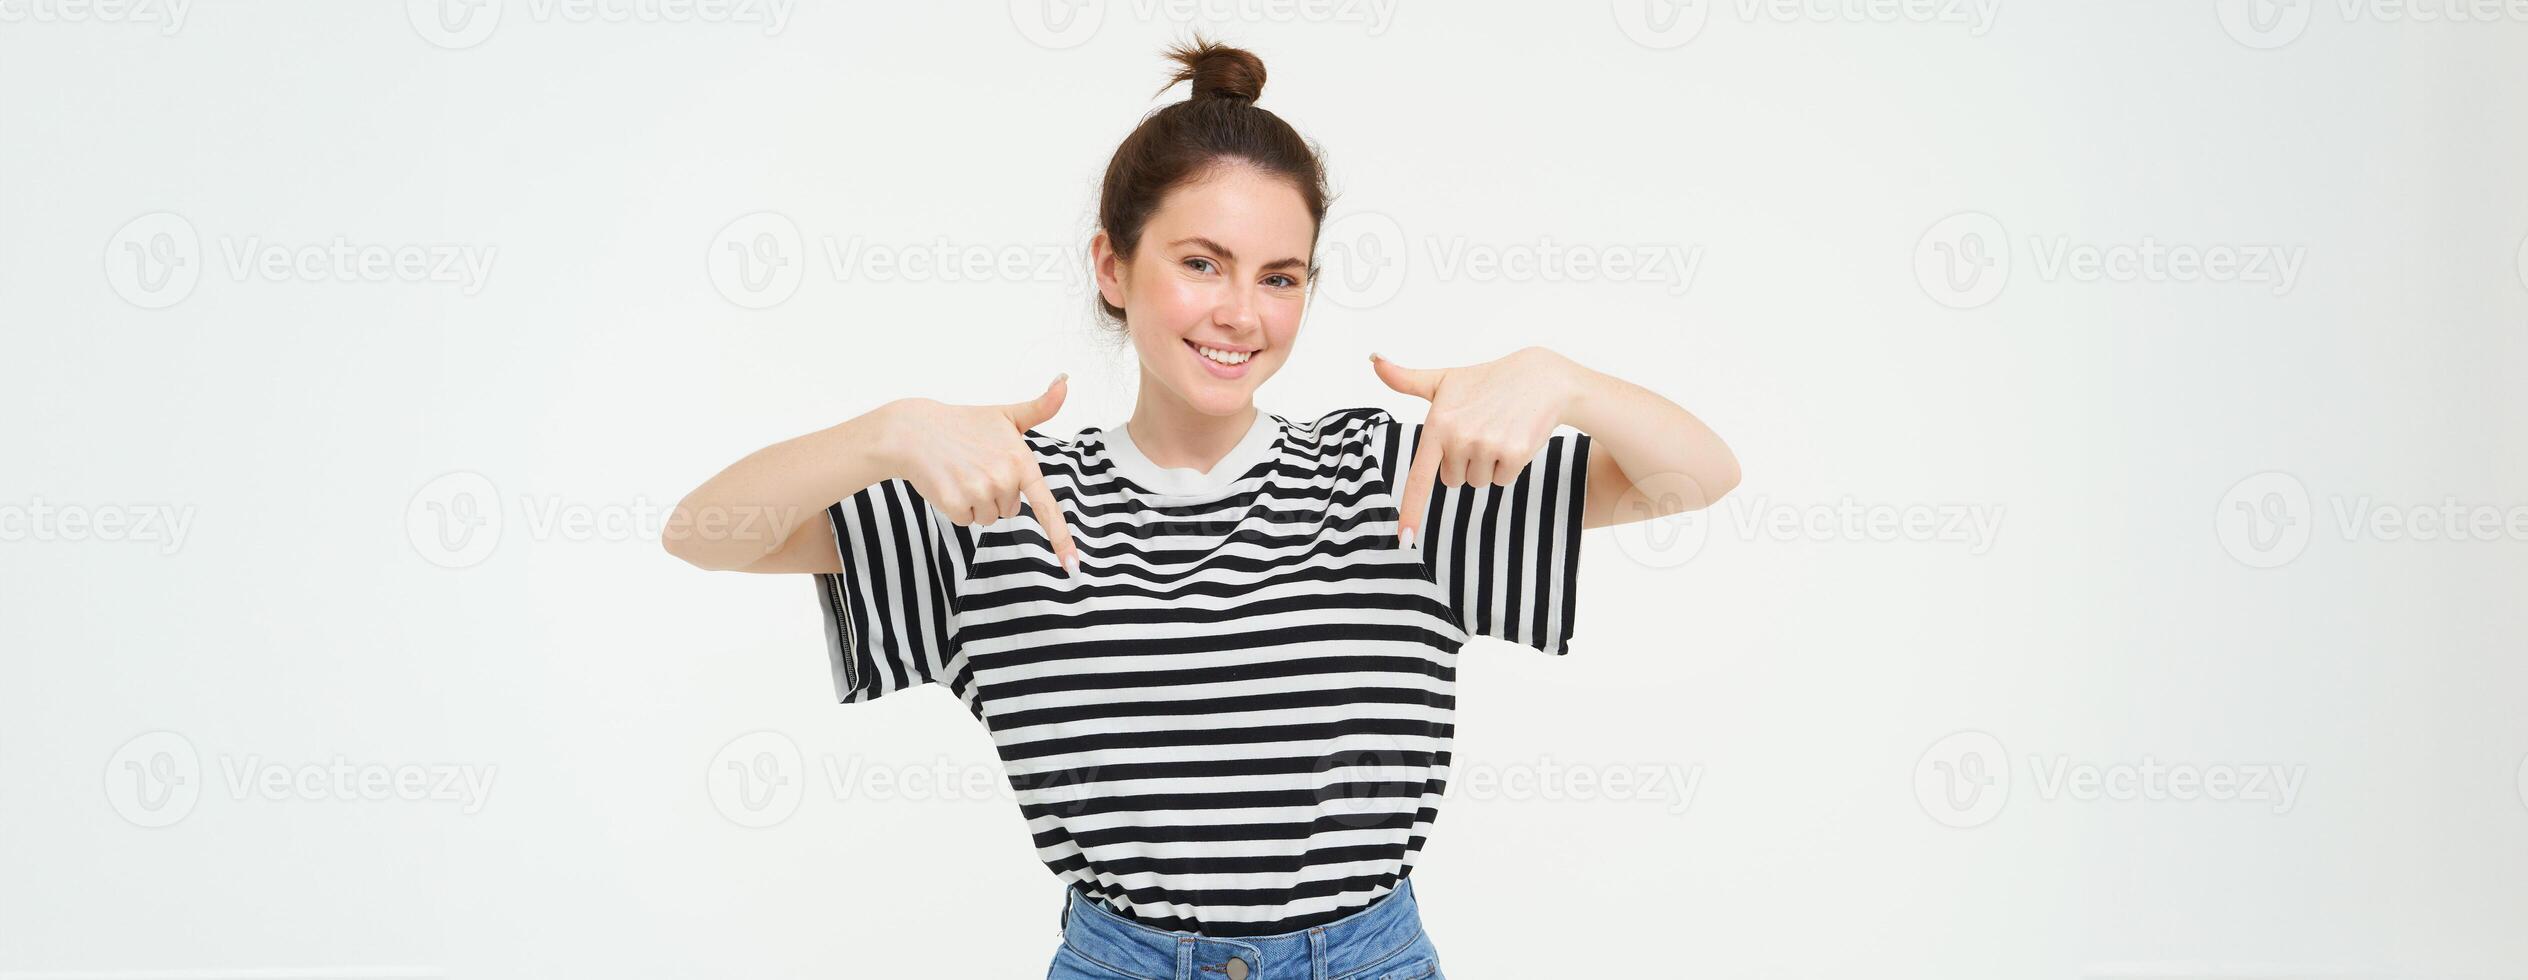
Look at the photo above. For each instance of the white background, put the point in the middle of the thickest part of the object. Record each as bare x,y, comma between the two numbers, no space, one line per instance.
1802,652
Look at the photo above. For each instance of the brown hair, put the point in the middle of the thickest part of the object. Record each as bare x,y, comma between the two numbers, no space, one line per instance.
1181,143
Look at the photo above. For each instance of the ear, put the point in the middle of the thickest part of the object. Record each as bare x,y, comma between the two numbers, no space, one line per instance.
1108,268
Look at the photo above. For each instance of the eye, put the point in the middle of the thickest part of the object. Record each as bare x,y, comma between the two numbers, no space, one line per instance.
1206,263
1285,281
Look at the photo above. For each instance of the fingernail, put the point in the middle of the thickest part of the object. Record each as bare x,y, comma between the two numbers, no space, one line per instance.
1408,537
1373,355
1072,563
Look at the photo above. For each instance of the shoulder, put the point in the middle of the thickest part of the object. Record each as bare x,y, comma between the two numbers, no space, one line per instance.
1343,425
1048,444
1077,454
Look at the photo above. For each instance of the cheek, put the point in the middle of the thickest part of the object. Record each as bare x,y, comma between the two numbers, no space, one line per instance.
1173,301
1281,320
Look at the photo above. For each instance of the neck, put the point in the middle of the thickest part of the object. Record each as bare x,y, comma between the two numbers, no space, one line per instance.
1173,434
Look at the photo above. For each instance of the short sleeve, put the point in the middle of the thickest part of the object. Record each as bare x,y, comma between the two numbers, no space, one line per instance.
1507,558
889,615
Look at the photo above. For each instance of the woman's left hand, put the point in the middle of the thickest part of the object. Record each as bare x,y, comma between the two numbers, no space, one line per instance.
1485,423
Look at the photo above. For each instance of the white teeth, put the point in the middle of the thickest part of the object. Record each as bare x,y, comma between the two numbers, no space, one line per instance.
1222,356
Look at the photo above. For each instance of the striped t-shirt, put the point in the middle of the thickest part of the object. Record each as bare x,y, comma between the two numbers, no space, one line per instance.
1236,720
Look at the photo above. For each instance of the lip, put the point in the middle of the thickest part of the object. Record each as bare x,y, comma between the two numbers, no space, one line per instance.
1225,372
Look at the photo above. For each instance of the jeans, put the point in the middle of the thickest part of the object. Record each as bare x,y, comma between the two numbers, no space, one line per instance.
1384,941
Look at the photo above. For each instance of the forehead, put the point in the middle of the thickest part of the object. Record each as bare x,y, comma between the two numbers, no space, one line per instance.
1259,216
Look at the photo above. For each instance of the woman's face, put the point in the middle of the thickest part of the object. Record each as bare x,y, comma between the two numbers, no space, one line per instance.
1213,297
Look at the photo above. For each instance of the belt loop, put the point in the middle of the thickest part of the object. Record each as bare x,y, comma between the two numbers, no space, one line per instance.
1185,958
1316,953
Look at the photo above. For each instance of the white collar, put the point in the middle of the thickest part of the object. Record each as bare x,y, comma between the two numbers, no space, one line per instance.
1181,481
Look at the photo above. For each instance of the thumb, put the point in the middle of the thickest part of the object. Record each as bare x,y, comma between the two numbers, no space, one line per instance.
1418,382
1040,409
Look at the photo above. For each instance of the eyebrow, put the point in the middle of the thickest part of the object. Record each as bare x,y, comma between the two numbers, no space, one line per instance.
1209,245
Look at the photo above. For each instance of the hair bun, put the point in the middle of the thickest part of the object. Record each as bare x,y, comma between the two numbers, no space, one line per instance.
1217,70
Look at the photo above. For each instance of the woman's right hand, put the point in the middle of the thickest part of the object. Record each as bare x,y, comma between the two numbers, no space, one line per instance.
972,462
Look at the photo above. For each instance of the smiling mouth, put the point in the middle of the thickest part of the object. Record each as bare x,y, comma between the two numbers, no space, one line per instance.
1218,356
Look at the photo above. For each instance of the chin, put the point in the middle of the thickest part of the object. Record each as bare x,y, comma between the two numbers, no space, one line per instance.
1211,397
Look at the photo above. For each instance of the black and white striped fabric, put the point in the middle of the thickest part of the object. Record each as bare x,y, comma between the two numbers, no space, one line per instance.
1237,719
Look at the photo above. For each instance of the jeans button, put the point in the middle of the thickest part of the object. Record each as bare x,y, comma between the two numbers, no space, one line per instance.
1237,969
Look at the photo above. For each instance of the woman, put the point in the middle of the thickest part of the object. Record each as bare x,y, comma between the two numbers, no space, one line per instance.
1216,647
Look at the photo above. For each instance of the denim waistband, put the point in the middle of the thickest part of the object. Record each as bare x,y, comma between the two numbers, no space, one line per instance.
1352,944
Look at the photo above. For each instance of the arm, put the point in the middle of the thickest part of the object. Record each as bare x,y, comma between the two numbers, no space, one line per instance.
1487,422
970,464
1654,459
766,512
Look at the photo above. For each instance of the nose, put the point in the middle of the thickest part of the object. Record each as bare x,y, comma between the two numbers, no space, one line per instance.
1237,312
